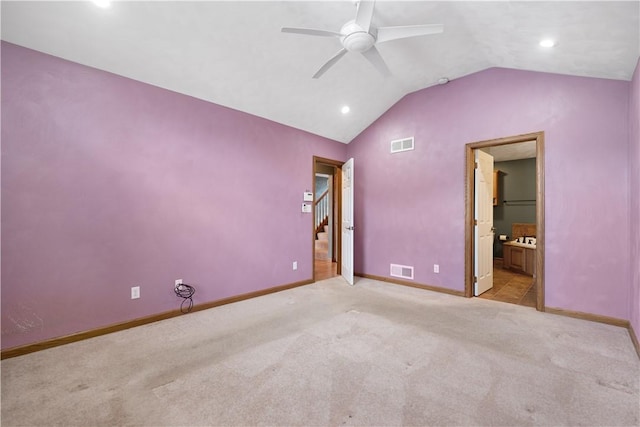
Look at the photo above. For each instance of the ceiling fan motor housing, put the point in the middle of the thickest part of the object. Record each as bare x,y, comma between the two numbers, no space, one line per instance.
356,39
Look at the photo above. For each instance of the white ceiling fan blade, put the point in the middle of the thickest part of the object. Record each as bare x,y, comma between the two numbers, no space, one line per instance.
374,57
365,14
386,34
311,32
330,63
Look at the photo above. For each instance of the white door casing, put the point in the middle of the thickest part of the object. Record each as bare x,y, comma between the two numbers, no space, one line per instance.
483,229
347,221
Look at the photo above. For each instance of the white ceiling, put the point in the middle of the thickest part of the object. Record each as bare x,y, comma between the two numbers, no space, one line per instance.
232,53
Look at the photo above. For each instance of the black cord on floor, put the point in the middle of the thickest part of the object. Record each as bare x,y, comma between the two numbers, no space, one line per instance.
186,292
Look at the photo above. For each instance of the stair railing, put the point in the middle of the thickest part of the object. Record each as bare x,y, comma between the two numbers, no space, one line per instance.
321,207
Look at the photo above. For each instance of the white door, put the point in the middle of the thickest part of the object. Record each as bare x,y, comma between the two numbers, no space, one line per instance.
484,231
347,221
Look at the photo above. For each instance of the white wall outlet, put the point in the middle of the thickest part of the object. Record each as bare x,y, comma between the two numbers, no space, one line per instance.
295,265
135,292
178,282
436,268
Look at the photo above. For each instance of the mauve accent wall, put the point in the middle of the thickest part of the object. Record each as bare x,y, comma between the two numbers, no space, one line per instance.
409,207
108,183
634,192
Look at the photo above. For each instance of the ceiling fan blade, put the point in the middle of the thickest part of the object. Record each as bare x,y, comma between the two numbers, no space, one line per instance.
365,14
374,57
386,34
330,63
311,32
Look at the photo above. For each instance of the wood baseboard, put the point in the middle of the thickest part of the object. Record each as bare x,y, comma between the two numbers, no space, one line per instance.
55,342
588,316
411,284
634,339
600,319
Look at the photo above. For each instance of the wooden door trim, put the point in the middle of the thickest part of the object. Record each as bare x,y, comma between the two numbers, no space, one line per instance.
337,183
469,197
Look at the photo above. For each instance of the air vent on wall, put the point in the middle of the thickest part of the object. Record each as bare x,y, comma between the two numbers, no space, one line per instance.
400,145
402,271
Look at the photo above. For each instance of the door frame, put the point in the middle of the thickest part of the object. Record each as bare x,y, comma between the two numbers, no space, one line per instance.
469,206
337,200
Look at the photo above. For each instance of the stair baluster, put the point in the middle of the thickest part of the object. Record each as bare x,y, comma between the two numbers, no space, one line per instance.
321,211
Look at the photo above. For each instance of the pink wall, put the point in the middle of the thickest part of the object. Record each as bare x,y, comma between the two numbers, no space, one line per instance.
410,206
634,192
108,183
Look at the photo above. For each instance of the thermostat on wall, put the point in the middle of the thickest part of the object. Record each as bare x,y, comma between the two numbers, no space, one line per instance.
307,196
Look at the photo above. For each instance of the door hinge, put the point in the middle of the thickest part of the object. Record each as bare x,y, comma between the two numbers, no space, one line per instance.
475,279
475,222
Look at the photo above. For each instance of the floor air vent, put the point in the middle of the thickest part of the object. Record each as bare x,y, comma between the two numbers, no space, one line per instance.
402,271
400,145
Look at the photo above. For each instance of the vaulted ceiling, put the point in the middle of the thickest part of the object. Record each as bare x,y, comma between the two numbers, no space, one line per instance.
233,53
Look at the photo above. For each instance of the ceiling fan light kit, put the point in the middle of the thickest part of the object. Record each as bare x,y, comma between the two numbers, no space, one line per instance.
360,36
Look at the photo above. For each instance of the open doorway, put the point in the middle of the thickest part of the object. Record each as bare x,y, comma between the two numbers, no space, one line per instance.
521,262
326,218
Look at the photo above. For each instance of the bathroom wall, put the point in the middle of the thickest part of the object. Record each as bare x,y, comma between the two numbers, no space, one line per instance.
108,183
517,185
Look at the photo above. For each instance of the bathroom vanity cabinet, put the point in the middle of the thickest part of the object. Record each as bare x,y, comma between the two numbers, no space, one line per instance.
519,258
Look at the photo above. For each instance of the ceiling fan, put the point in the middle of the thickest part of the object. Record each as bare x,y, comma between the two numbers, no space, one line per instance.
359,35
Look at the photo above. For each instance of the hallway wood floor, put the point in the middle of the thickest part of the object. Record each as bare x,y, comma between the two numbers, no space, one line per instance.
511,287
324,269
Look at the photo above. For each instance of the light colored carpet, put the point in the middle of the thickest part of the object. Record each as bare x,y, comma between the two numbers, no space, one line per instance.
331,354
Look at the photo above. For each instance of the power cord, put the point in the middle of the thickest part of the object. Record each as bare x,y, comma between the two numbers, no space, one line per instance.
186,292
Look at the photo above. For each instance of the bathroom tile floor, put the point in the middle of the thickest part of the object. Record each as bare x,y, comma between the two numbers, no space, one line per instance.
511,287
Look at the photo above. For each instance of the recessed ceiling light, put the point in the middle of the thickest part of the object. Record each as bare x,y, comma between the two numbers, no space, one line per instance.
547,43
102,3
345,109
